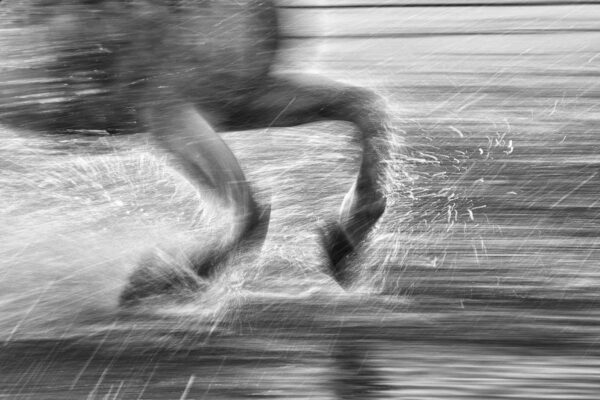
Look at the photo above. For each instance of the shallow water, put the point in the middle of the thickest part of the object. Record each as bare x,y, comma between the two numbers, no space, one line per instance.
480,282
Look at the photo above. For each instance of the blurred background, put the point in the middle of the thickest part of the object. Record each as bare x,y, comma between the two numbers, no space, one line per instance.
480,282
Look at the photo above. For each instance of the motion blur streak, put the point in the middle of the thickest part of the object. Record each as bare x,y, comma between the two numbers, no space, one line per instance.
480,282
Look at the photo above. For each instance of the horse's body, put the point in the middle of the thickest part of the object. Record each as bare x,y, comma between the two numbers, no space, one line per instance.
183,70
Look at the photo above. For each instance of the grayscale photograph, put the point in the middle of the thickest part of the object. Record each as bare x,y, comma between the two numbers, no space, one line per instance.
299,199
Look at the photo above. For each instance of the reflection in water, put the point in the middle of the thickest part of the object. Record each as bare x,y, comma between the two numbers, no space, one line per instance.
160,363
354,376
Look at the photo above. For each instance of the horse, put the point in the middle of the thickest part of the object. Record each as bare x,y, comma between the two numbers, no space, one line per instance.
184,71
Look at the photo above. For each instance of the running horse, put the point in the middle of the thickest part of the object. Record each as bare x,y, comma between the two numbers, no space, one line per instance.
184,70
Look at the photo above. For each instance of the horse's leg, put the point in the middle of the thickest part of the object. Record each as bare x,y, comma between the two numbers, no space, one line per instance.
293,100
209,164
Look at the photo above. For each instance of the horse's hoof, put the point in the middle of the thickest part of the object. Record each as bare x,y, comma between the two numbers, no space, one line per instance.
258,228
338,247
160,276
